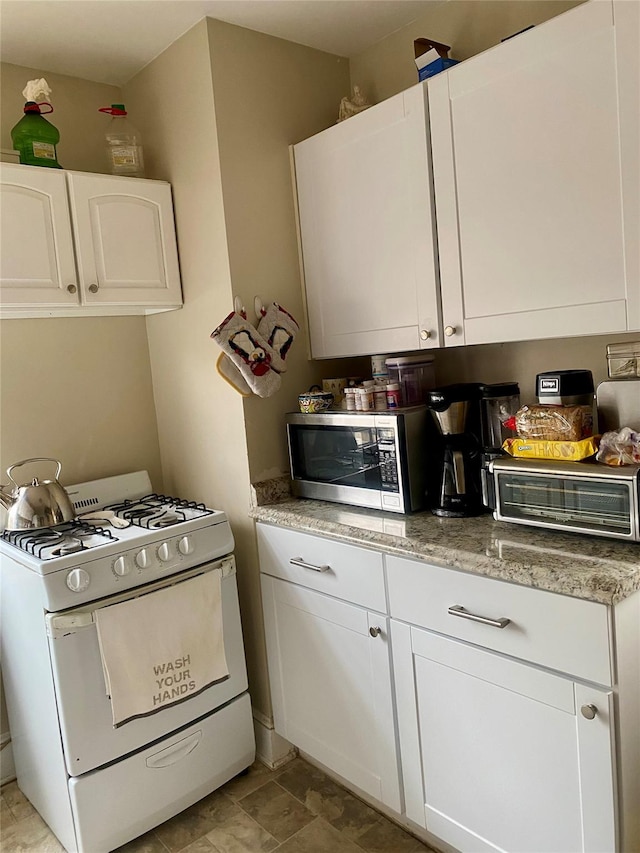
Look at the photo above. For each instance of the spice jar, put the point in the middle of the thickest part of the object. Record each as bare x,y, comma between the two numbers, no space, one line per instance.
380,398
366,398
393,396
350,399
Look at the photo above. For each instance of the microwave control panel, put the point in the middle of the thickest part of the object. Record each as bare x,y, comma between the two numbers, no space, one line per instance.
388,463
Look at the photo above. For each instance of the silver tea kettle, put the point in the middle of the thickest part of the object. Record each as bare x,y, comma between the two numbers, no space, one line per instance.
40,503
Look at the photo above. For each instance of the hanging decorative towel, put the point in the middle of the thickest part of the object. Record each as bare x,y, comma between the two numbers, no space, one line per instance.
279,329
163,647
251,354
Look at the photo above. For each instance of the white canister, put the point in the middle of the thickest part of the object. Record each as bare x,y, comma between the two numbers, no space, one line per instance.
380,398
366,399
350,399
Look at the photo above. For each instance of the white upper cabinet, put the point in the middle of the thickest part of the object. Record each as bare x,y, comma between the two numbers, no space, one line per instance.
79,244
535,158
367,231
37,264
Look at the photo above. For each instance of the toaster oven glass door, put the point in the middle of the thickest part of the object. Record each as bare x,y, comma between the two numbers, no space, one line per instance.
342,456
575,503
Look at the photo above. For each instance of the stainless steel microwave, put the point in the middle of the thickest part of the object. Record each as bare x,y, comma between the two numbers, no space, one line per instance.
580,497
372,459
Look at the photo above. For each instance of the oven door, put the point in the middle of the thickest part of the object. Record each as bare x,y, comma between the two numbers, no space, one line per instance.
340,455
89,738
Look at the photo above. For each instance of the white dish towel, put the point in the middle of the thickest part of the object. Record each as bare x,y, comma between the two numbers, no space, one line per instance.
163,647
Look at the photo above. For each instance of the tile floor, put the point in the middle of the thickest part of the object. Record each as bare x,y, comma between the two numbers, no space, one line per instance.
296,809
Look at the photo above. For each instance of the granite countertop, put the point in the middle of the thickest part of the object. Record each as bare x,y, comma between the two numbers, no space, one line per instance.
590,567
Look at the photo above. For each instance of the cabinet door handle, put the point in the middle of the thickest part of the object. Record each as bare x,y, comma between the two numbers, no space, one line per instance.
589,711
298,561
93,288
450,330
458,610
71,288
375,631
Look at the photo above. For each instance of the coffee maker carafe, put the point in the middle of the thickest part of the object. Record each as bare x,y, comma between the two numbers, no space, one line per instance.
498,406
456,491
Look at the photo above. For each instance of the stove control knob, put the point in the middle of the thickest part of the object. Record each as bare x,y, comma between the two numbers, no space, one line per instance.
164,552
142,559
121,567
185,546
78,580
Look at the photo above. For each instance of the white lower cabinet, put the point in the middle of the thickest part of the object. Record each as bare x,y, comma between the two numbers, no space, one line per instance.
498,755
330,671
501,749
514,709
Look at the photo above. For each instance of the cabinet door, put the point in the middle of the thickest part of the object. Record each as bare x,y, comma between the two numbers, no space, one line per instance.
329,670
367,231
37,261
535,156
125,241
498,755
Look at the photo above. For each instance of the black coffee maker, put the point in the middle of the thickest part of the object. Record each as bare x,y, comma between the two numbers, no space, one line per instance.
455,485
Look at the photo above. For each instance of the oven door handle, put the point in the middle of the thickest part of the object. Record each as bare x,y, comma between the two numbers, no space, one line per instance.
174,753
60,624
68,623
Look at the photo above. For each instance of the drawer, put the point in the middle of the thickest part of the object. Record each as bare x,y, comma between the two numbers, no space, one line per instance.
344,571
555,631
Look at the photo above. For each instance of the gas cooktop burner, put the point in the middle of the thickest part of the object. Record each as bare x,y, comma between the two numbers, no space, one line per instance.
47,543
158,511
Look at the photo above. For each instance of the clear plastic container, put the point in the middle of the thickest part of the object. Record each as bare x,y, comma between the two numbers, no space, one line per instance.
623,360
415,374
124,144
499,404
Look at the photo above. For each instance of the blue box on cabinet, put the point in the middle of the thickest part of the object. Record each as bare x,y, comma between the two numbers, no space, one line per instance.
432,57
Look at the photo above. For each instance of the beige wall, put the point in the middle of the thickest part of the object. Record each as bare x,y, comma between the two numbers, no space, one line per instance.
89,378
223,145
469,26
269,94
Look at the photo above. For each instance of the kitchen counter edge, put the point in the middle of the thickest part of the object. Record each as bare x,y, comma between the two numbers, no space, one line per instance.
593,568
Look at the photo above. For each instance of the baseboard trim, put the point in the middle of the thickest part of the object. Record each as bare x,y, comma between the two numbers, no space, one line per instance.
271,749
7,765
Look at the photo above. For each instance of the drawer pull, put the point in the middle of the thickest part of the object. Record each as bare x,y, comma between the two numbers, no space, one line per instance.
298,561
458,610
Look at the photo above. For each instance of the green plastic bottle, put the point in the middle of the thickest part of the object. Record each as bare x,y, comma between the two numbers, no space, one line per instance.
36,138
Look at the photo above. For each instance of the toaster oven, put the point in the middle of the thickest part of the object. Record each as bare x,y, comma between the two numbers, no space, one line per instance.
580,497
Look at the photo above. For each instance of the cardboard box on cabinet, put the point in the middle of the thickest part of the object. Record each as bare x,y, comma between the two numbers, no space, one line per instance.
432,57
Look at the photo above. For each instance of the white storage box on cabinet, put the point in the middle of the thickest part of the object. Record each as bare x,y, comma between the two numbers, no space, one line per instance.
330,666
498,753
536,172
78,244
367,231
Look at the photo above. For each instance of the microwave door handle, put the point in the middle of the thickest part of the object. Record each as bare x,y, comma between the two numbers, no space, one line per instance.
458,471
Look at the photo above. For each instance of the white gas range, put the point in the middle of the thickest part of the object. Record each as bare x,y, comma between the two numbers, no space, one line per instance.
96,785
